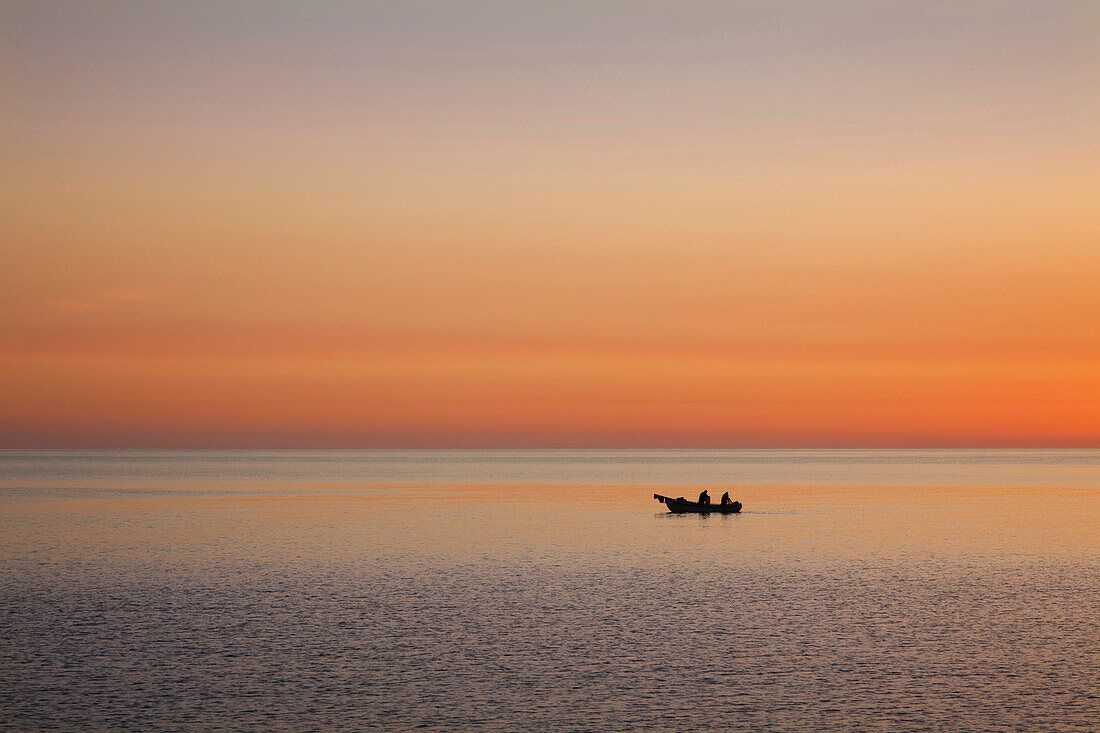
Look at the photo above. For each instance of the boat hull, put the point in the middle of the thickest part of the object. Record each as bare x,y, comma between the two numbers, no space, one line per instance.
683,506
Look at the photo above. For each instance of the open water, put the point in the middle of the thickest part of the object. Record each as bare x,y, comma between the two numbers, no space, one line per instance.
546,590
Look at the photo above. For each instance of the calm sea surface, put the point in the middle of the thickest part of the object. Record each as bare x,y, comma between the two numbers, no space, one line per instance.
537,590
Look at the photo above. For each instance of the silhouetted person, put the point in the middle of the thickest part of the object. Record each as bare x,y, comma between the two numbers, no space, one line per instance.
726,500
704,498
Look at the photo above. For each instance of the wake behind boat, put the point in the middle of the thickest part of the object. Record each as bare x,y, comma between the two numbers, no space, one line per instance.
681,505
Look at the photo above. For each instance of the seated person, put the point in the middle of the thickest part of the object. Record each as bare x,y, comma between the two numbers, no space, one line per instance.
726,500
704,498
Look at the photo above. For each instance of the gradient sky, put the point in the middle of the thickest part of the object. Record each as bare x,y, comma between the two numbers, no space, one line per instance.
549,224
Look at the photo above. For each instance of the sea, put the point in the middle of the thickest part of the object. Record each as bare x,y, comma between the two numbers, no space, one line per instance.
516,590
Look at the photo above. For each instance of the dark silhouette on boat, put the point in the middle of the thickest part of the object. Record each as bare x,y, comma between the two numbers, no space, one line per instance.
680,505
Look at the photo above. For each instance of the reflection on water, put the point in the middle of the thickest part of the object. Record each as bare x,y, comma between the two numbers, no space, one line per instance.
535,590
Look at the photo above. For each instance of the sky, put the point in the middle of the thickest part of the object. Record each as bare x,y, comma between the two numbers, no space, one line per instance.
549,224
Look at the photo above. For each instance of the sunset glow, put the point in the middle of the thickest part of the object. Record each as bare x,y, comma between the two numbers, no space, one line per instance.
470,224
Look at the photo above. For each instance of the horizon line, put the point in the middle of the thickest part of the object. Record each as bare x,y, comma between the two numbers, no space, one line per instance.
556,448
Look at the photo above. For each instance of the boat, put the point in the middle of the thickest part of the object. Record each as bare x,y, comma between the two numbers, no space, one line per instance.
680,505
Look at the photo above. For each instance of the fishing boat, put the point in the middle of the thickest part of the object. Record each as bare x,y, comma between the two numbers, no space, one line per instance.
681,505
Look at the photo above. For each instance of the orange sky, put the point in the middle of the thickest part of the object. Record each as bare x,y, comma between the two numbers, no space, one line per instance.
547,225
